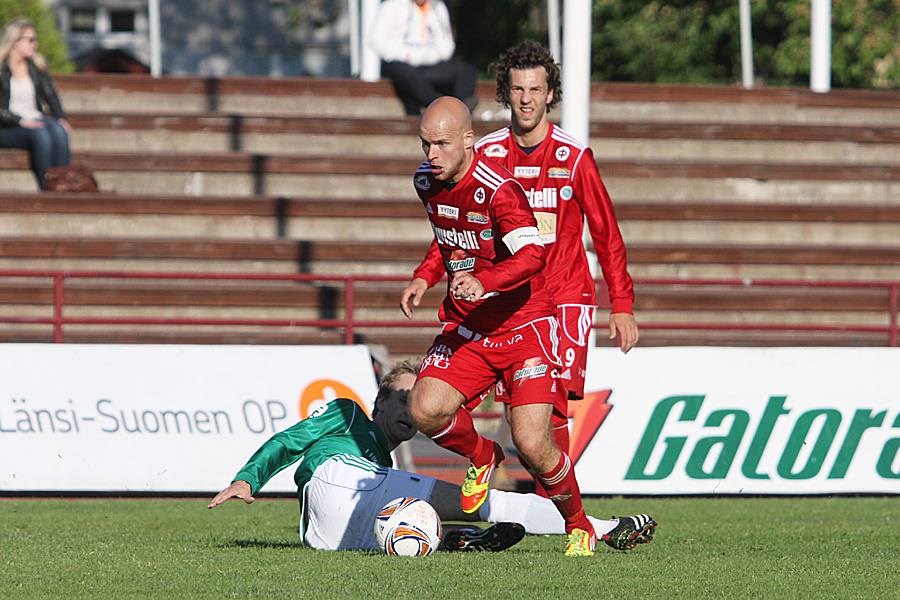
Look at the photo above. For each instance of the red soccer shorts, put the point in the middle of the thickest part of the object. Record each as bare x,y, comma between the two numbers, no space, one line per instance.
576,321
525,360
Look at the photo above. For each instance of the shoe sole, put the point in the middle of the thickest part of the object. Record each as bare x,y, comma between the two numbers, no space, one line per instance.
644,535
493,539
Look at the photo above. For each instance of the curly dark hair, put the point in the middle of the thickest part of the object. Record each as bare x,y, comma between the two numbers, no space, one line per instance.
527,55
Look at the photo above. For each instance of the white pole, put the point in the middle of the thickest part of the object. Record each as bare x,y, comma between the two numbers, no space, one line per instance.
576,84
820,43
553,29
370,63
353,17
155,37
746,45
576,68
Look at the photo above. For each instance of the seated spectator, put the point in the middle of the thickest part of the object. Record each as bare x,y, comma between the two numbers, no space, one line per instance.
415,43
26,97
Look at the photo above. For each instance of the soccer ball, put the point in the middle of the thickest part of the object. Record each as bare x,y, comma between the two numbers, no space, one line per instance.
408,527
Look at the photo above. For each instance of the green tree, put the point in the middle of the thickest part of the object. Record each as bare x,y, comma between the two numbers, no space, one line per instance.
864,50
51,43
698,41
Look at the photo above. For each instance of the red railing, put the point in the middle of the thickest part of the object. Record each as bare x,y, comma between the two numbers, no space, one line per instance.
349,323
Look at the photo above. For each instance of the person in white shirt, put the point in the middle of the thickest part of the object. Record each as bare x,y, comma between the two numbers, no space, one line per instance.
25,91
415,42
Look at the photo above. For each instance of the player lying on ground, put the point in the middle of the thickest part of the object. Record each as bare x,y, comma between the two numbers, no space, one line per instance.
345,479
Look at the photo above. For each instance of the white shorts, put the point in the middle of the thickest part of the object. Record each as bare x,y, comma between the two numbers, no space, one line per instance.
339,504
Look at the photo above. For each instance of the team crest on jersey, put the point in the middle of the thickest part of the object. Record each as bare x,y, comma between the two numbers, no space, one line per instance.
566,192
480,195
422,182
486,234
477,217
496,151
526,172
558,173
562,153
451,212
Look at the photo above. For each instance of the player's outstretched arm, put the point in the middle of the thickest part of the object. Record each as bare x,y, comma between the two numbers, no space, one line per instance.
413,292
624,325
238,489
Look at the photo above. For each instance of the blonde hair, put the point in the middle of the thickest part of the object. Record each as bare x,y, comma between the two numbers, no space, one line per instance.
12,33
405,367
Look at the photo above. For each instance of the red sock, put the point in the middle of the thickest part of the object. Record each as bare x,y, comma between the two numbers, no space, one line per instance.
562,487
459,436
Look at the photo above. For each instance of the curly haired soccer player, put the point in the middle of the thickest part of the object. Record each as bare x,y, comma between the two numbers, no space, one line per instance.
345,478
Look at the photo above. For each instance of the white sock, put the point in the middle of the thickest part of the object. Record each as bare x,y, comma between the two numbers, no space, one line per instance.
537,514
602,526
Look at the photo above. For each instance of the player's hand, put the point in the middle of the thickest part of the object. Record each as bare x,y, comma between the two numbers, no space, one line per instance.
31,124
238,489
66,125
414,291
466,286
624,325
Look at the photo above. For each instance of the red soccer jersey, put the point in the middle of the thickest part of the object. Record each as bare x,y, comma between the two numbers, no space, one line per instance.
483,225
563,186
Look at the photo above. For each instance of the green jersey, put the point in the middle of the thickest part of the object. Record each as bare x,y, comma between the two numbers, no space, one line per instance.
341,427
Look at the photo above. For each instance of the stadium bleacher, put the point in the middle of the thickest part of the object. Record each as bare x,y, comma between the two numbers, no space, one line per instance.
312,176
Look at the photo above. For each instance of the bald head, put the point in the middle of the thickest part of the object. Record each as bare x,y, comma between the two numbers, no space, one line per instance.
450,112
447,138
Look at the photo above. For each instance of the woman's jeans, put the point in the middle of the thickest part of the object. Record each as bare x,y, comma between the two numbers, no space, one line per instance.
48,146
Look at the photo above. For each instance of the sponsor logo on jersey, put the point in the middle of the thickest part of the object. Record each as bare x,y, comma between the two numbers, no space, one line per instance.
438,357
495,343
562,153
496,151
546,222
451,212
467,240
486,234
558,173
526,172
422,182
441,349
477,217
480,195
545,198
566,192
466,264
532,369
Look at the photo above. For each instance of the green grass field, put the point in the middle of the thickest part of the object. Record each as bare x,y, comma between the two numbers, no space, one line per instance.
704,548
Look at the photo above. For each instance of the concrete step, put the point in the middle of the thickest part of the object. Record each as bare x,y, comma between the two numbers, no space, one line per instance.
281,135
346,97
408,146
388,230
247,174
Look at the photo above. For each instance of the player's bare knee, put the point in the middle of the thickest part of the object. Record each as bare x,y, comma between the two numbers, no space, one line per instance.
426,407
